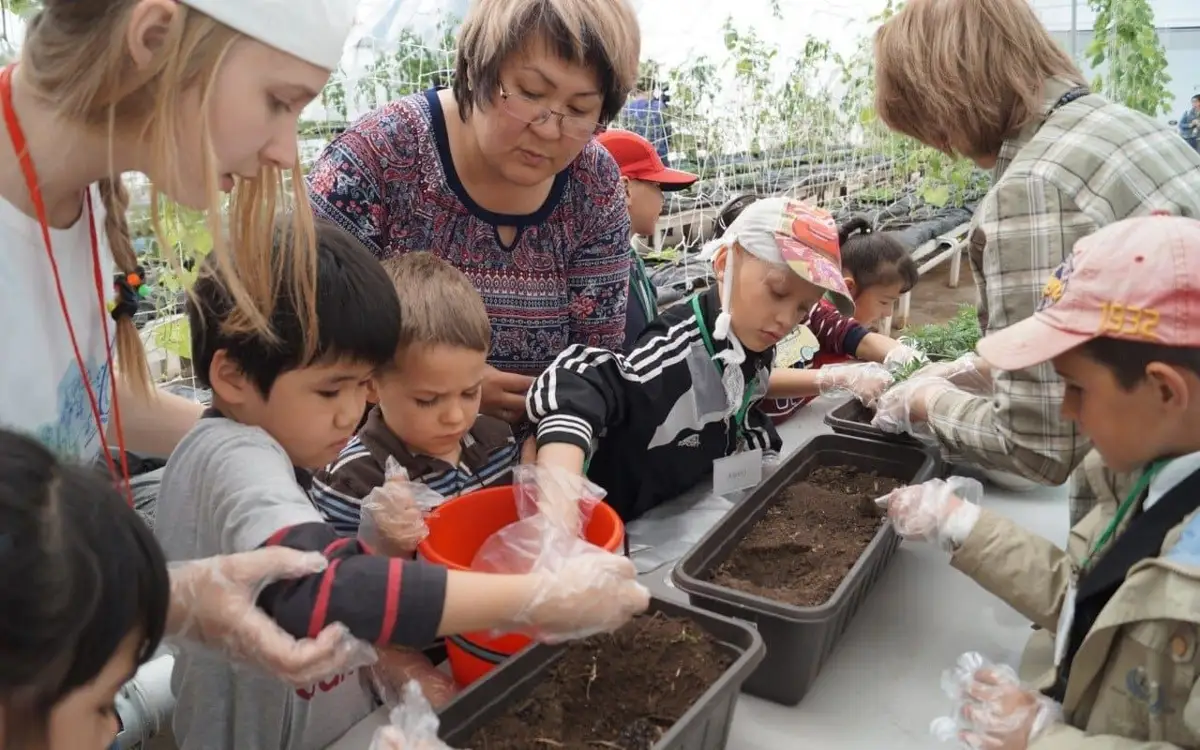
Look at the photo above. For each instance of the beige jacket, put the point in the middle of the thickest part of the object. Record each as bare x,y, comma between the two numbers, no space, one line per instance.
1133,684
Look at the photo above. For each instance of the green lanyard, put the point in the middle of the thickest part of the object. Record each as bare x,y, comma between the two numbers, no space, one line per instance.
1142,483
739,418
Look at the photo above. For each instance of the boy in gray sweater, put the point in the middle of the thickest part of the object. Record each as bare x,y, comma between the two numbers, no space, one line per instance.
286,404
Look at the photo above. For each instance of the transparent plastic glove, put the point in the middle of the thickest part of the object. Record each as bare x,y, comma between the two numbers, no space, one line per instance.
414,725
580,590
213,604
563,497
865,380
397,667
904,407
992,711
942,511
393,515
902,357
969,372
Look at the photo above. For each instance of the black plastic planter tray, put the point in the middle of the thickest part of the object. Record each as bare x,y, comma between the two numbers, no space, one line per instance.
799,639
853,418
704,727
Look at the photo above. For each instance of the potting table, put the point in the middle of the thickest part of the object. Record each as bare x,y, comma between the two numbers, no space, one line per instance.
881,686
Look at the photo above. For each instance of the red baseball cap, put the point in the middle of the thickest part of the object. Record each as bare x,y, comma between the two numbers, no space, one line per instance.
1136,280
639,161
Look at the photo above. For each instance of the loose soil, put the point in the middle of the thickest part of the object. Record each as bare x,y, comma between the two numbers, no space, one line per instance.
800,551
620,691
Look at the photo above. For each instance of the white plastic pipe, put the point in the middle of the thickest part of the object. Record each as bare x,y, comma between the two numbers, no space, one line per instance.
146,703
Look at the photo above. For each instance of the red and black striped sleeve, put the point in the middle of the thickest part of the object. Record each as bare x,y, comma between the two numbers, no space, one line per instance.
837,334
384,600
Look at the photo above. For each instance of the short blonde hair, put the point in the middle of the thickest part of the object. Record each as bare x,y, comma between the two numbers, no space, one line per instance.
601,35
438,304
75,57
964,75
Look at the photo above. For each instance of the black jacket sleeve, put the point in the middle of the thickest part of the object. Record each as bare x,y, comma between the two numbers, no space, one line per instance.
587,390
383,600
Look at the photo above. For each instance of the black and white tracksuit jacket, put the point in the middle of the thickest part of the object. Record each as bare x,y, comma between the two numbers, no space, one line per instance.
653,421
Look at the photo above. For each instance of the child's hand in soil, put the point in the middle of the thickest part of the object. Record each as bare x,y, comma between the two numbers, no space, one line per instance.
393,516
938,511
414,725
991,709
581,591
866,380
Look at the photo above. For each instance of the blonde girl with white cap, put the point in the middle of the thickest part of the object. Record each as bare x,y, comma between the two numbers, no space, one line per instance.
203,97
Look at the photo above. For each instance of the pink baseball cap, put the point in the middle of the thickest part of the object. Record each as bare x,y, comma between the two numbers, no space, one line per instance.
1135,280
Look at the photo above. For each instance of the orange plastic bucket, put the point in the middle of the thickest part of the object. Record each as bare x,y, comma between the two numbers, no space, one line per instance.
457,529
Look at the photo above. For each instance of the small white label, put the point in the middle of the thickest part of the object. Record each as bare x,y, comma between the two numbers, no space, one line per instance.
737,472
1066,617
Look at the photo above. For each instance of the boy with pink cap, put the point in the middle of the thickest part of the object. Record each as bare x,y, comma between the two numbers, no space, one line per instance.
650,424
1120,321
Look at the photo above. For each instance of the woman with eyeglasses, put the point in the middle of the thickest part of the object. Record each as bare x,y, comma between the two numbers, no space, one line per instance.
499,175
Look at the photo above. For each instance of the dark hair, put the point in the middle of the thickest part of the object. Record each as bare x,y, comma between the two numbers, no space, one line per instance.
1127,360
81,572
1196,98
874,258
732,209
358,315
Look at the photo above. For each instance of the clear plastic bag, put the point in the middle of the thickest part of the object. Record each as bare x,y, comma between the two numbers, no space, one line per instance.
554,506
397,667
414,725
393,515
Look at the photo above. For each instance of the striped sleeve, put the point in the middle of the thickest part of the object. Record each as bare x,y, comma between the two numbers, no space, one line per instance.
384,600
837,334
587,390
338,489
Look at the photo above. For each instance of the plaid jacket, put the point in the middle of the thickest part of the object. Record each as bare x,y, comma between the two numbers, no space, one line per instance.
1086,164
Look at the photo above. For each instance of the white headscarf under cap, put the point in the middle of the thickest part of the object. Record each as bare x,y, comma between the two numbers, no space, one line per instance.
754,231
312,30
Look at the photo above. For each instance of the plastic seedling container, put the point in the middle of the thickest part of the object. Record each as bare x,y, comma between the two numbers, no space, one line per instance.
704,727
854,418
799,639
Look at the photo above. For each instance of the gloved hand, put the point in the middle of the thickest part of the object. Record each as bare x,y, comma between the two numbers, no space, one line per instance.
398,667
564,498
393,515
969,372
414,725
865,380
579,590
901,357
992,711
213,604
905,406
942,511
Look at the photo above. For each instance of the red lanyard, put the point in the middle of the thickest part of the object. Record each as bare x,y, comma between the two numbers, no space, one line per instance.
20,146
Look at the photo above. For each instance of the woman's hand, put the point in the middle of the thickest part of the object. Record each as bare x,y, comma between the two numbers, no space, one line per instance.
991,709
504,395
213,604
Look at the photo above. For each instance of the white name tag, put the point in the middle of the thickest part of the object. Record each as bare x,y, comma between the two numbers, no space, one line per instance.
1066,617
737,472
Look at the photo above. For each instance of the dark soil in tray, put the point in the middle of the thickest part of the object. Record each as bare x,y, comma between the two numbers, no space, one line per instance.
621,691
861,413
800,551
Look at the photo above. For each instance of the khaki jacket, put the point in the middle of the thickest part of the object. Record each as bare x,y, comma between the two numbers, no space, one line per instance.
1133,684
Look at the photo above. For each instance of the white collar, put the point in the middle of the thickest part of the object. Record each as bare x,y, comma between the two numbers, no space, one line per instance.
1169,477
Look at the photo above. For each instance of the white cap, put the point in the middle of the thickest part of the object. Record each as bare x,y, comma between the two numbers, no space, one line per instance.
312,30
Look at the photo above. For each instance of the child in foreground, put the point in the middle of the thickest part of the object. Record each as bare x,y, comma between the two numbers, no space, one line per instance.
238,481
878,270
427,414
652,422
1118,320
645,178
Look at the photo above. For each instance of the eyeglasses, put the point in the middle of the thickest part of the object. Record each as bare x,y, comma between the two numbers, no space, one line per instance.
530,112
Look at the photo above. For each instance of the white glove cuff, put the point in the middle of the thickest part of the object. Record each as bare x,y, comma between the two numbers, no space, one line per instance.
957,526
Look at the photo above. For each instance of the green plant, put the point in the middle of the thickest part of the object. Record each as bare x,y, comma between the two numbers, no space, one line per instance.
943,342
1126,44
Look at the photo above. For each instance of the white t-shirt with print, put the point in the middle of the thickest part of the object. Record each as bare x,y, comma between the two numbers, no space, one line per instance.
41,387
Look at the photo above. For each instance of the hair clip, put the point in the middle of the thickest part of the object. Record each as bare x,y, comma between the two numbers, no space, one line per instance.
129,289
